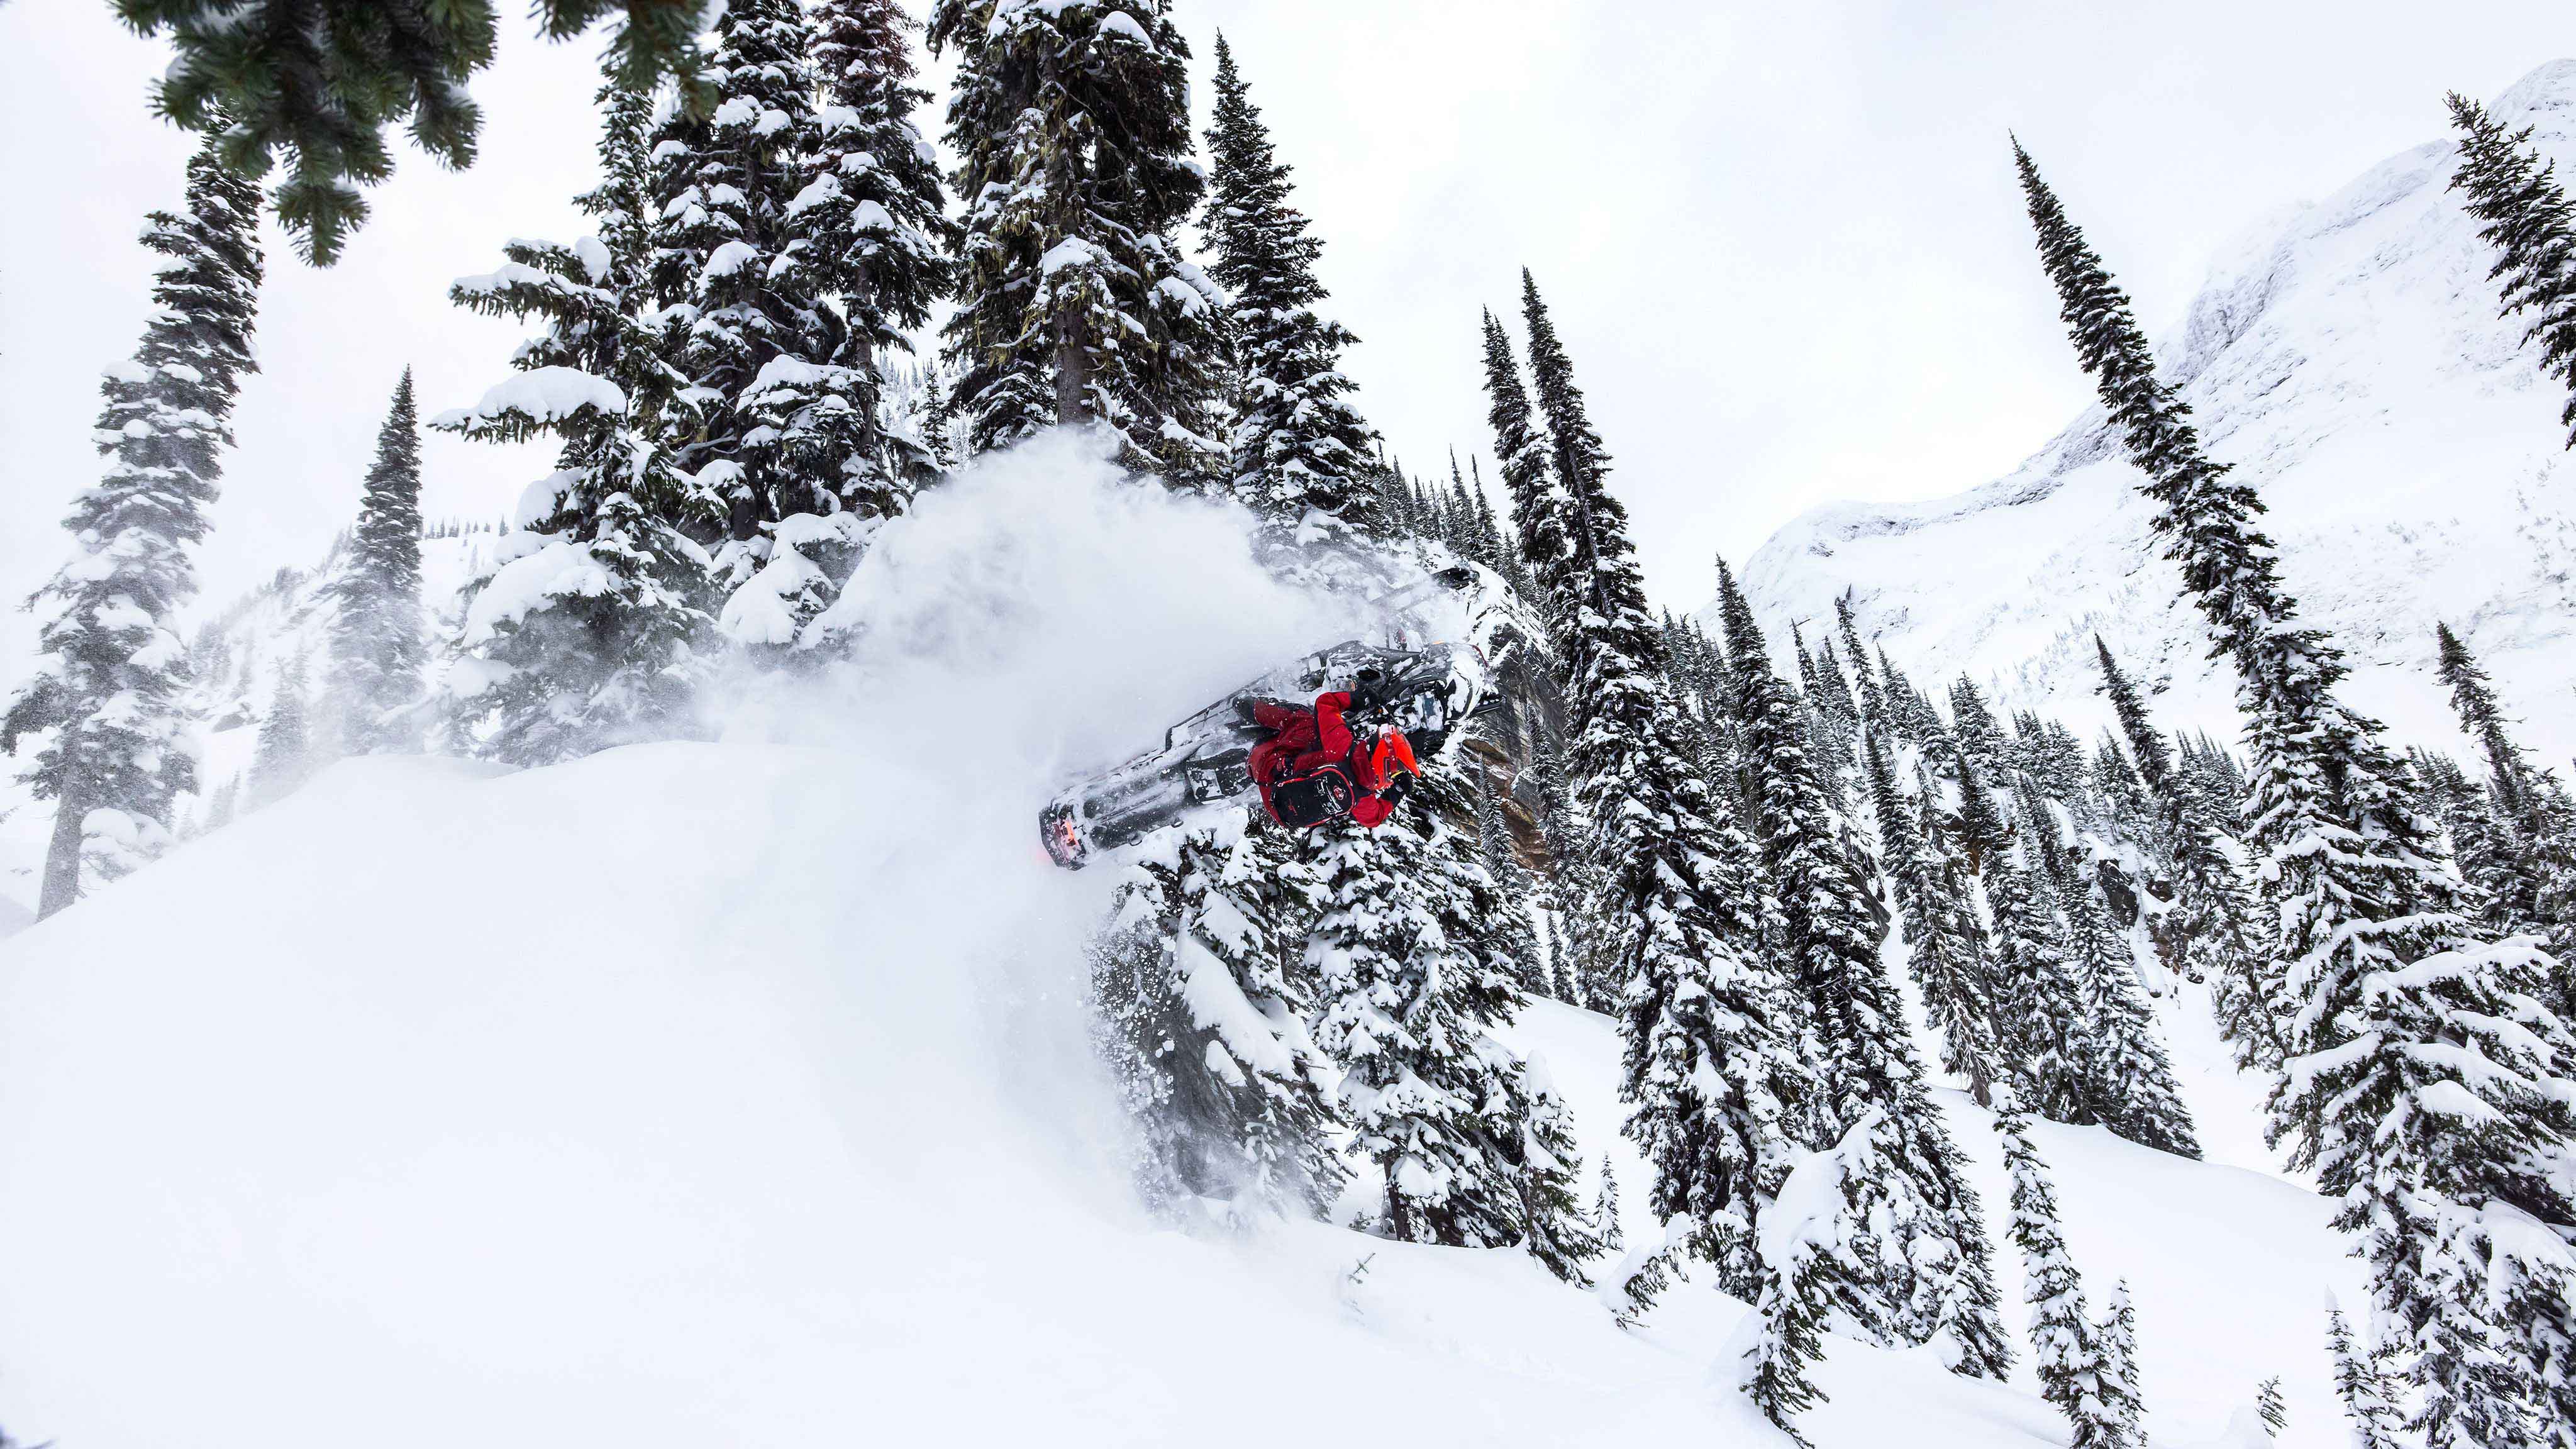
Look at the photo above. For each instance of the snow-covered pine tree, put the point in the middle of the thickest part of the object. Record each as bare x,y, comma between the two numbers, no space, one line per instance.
1719,1095
1300,448
2530,869
106,695
1538,506
2367,1385
1945,946
1484,929
1573,887
2132,1081
1404,1009
225,802
1512,890
2397,991
2215,915
2065,1347
1928,1246
2154,758
2269,1408
2038,1004
2515,784
1204,1029
588,630
1076,304
1830,939
2480,847
1820,1261
1973,725
1554,1227
2525,215
874,217
1479,538
1873,701
2118,1335
768,421
2128,1080
2066,773
2129,811
1830,697
1916,707
377,647
285,751
1605,1210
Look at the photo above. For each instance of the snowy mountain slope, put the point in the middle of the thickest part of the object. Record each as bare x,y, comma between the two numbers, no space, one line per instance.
2348,361
741,1093
685,1100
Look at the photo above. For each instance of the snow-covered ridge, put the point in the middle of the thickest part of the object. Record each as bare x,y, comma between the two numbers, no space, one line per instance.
2346,358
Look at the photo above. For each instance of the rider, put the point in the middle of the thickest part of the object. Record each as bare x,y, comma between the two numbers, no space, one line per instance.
1314,766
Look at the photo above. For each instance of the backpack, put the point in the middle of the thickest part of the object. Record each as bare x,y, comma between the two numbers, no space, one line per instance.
1302,802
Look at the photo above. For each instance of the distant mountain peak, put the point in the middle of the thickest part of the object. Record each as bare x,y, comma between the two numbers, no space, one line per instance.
2346,358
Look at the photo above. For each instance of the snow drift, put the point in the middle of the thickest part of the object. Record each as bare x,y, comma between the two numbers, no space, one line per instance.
2347,360
740,1093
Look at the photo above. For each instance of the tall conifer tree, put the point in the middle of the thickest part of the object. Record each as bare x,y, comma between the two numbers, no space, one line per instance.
2524,214
2395,988
1538,505
2039,1011
874,214
2129,1081
1929,1244
2217,923
106,695
1945,945
2370,1392
1300,448
377,648
2118,1334
589,631
2528,865
1718,1094
766,420
1076,304
1404,1008
2066,1347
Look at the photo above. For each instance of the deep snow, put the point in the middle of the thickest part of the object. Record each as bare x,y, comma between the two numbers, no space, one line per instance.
2346,359
739,1093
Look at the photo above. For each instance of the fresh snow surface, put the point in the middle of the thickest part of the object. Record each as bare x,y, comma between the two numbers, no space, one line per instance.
540,395
740,1093
2347,360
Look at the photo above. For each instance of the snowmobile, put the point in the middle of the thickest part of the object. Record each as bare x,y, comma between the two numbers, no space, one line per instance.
1427,691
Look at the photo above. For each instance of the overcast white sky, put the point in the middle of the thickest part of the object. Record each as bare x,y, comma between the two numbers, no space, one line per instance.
1783,241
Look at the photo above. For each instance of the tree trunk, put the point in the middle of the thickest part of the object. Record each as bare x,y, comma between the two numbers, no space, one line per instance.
63,855
1065,205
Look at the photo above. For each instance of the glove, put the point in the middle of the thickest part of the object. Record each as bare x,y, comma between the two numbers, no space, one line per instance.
1368,692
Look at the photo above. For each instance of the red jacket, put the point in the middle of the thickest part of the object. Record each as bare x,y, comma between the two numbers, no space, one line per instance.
1302,740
